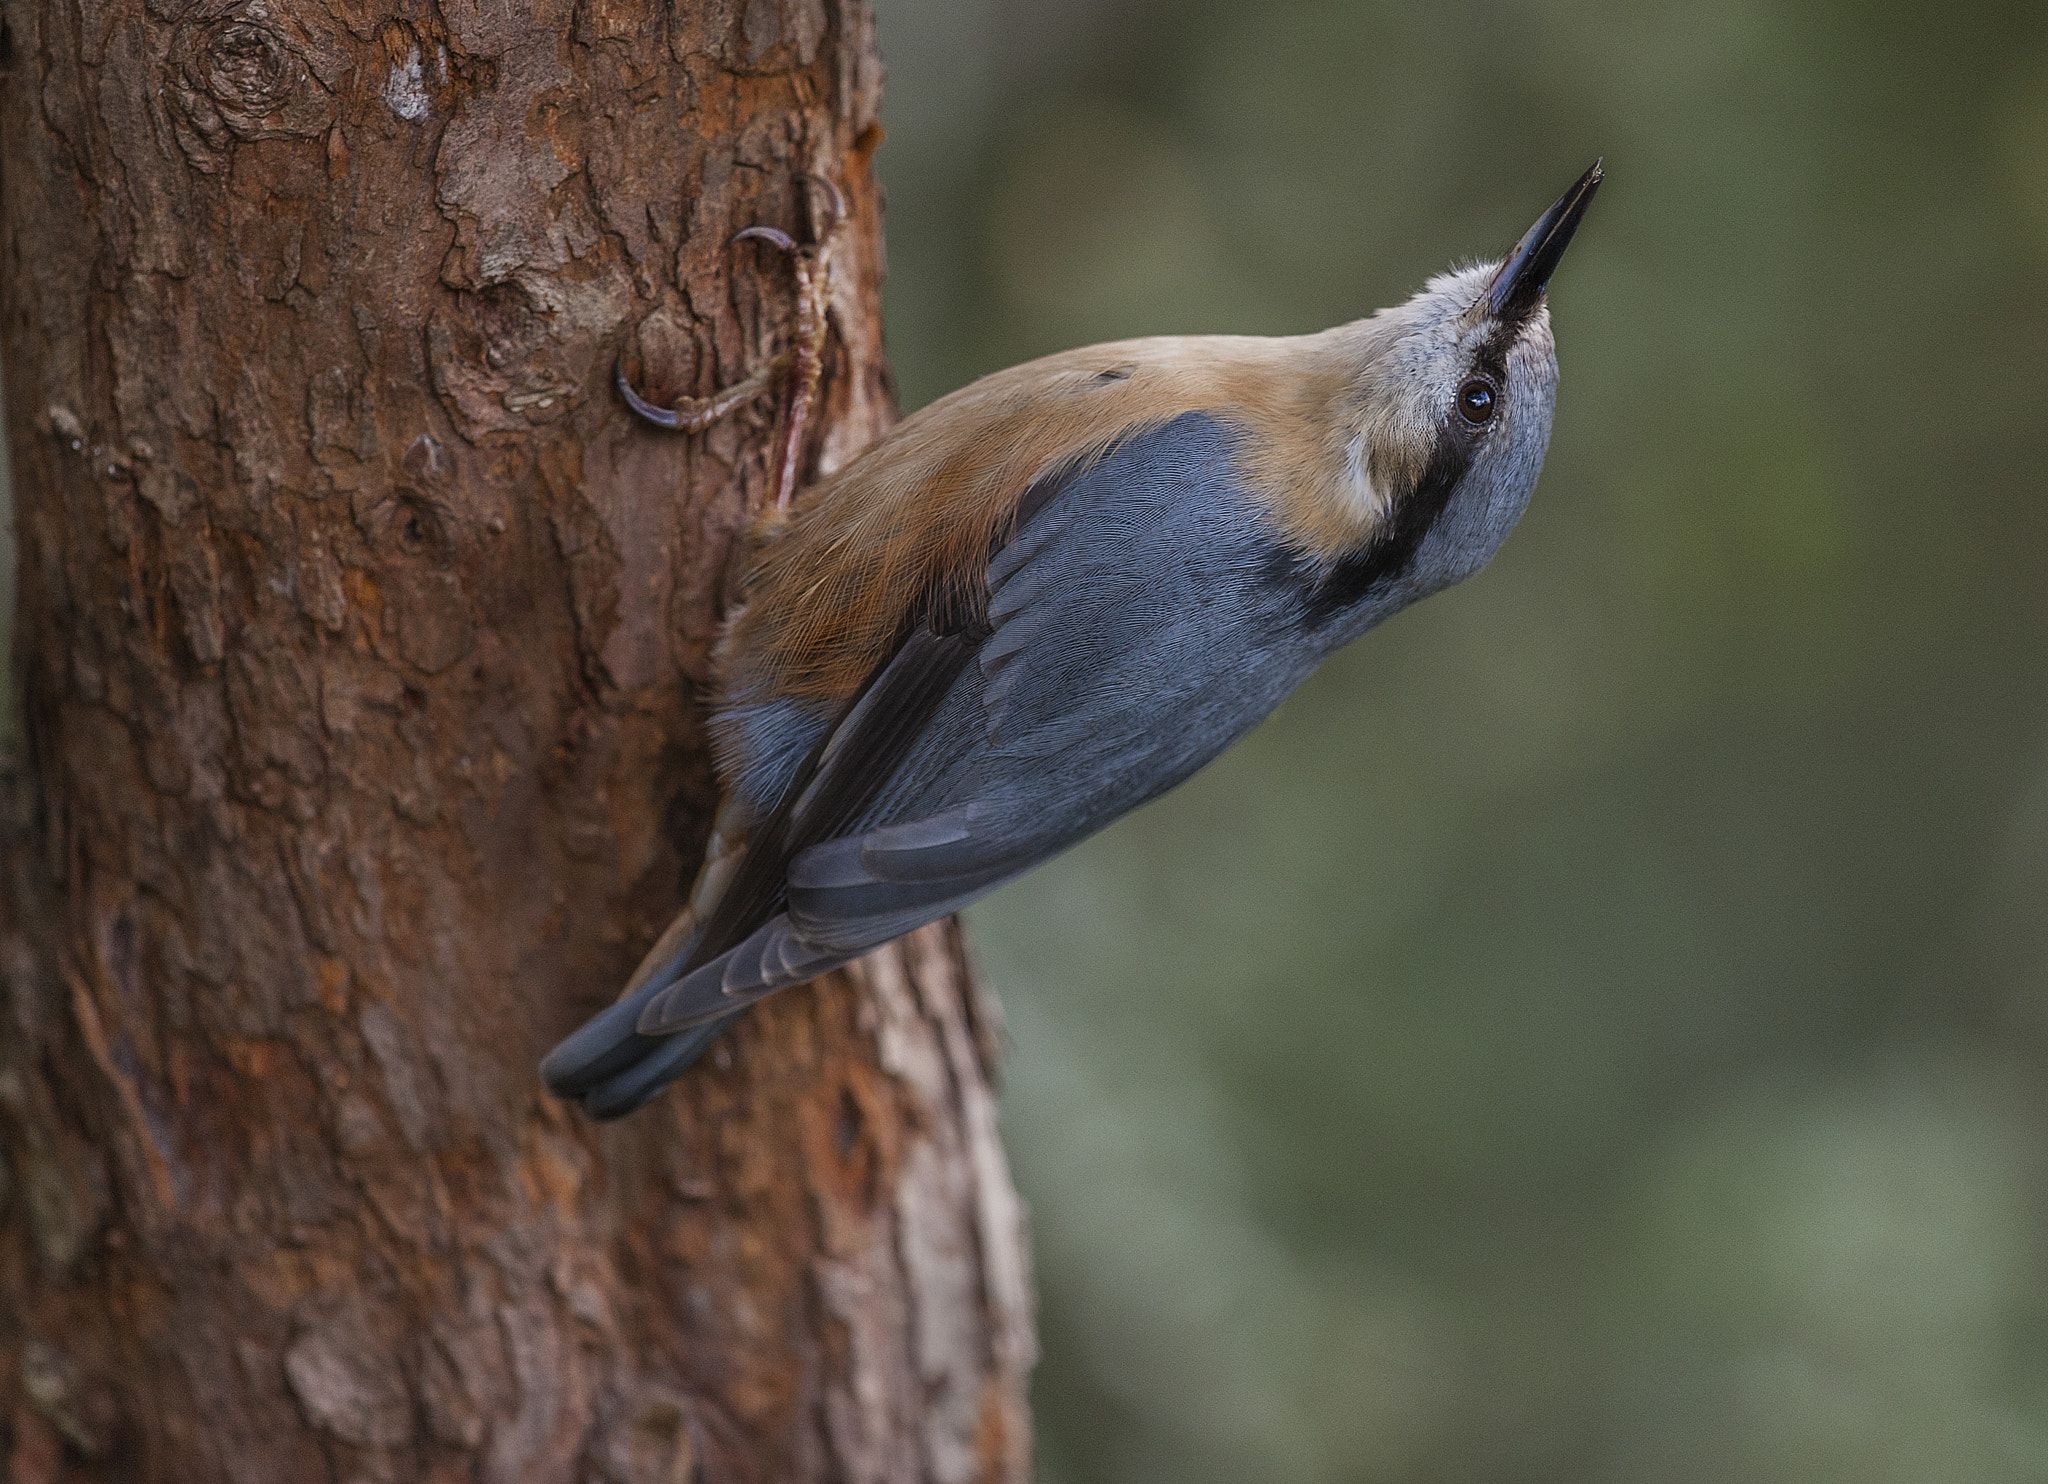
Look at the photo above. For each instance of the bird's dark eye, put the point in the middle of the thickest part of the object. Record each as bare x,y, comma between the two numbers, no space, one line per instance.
1476,401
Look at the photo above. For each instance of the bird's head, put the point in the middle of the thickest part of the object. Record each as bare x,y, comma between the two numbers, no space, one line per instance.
1450,409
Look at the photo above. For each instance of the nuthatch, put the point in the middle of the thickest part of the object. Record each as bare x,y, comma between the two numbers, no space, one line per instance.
1052,596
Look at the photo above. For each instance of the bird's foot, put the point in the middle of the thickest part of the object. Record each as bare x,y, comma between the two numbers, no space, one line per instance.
794,371
695,414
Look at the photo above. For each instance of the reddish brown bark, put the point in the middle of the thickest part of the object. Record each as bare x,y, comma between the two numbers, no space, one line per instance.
362,642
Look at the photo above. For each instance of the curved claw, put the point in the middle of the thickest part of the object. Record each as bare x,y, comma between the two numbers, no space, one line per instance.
835,200
661,417
774,236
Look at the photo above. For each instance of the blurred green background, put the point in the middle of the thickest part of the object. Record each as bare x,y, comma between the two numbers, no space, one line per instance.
1595,1031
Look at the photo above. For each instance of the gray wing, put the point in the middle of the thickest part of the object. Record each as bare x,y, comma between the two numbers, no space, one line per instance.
1140,622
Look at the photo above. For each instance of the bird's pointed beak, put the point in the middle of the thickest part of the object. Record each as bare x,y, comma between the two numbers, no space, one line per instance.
1517,288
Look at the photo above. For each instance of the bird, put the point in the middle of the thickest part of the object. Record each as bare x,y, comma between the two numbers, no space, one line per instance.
1049,597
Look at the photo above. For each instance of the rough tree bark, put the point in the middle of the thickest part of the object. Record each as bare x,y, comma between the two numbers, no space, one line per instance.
362,642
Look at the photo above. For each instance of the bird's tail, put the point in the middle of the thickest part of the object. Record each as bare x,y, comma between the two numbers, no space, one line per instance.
627,1068
607,1064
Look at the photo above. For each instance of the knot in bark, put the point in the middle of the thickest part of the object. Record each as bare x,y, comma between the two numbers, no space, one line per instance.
248,67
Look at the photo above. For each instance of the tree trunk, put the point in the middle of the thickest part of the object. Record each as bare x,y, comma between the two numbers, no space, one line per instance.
363,643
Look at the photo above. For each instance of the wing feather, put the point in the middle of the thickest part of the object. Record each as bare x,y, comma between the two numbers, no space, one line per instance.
1130,640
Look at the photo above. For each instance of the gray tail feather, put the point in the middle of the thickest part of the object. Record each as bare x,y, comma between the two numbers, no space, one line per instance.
608,1066
664,1059
611,1068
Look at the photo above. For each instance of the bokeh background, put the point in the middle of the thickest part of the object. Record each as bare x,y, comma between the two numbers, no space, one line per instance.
1598,1029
